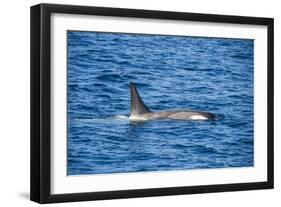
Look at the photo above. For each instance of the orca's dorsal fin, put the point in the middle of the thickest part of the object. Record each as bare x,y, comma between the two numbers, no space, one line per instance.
137,105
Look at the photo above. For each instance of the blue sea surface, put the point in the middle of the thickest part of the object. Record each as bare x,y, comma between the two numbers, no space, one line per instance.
170,72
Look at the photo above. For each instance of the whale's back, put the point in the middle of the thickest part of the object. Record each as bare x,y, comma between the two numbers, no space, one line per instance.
139,111
179,115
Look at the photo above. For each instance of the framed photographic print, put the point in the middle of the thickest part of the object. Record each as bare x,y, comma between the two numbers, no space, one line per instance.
133,103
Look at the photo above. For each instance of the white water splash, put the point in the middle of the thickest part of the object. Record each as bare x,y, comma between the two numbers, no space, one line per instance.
110,119
120,117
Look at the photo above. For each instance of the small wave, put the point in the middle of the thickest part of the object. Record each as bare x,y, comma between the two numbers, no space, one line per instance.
219,117
240,56
110,77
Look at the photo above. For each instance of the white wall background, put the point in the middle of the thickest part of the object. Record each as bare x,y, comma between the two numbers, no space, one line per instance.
14,101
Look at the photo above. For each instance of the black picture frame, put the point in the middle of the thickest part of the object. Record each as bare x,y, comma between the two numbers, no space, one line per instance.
40,184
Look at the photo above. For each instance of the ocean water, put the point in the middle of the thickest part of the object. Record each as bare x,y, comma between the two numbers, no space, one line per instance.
170,72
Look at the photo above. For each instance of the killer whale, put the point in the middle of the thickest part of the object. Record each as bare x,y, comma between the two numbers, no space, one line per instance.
140,112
